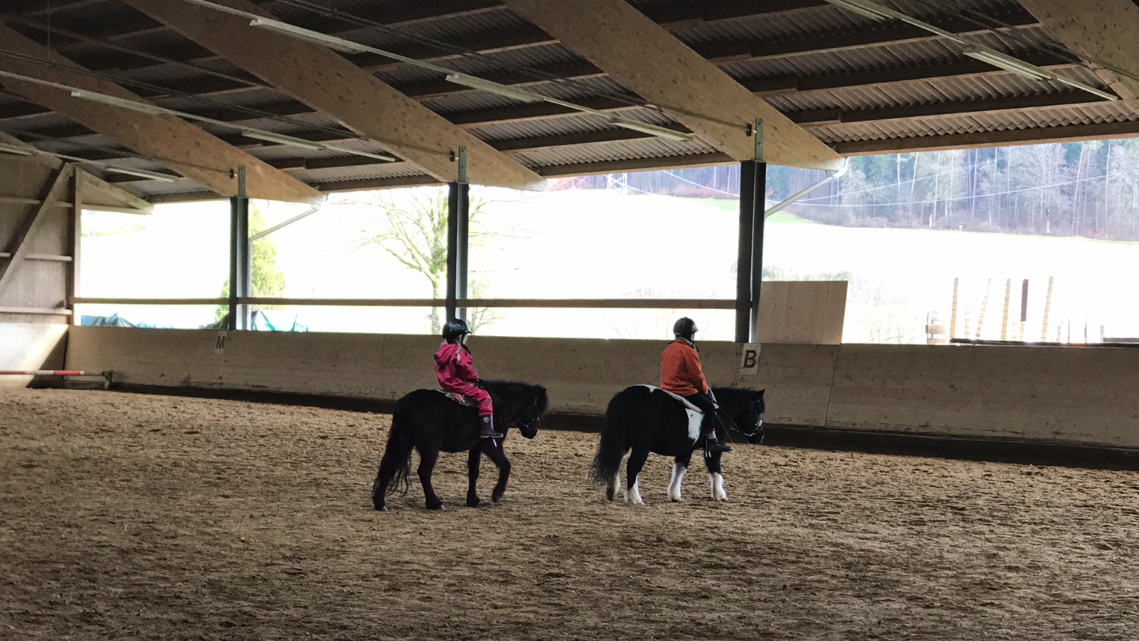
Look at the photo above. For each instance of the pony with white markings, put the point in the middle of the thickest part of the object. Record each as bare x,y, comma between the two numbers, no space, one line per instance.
644,419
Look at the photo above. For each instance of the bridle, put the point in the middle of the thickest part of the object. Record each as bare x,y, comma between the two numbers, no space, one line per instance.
757,425
532,424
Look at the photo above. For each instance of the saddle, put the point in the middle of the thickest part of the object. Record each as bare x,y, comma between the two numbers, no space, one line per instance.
459,398
695,414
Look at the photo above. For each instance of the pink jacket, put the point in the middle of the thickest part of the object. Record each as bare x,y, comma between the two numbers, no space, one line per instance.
455,368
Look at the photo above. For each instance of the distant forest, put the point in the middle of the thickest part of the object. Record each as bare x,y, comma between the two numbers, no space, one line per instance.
1088,189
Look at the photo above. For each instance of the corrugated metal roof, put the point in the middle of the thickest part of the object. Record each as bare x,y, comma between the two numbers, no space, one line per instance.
822,47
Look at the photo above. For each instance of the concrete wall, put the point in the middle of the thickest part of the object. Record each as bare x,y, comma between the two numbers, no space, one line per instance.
28,346
802,312
1068,395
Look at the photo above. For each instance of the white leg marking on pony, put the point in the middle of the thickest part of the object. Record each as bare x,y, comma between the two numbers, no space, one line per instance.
717,481
677,478
635,492
614,485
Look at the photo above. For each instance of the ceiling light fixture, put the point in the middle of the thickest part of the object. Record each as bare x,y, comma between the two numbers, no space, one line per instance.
133,105
315,37
652,130
865,10
281,139
972,49
493,87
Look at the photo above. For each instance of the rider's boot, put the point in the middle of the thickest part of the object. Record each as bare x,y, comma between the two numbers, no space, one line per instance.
714,444
487,423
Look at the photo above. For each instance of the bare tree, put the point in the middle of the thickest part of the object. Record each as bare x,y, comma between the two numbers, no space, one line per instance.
415,234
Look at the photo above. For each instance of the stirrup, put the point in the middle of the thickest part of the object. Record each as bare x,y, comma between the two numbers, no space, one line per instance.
717,445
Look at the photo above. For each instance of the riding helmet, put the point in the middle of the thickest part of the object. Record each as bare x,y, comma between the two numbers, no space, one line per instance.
685,328
454,329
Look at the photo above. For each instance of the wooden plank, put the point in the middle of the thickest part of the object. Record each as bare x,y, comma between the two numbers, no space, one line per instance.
51,258
19,244
98,192
640,164
1036,136
329,83
647,59
1099,31
35,311
601,303
825,117
180,145
81,300
15,200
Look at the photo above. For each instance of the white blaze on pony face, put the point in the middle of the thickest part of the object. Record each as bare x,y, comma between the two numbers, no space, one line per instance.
717,481
678,471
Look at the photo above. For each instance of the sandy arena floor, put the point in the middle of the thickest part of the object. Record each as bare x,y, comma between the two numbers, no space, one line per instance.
132,517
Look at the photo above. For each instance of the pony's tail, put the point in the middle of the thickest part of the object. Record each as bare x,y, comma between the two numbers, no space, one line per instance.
611,450
395,466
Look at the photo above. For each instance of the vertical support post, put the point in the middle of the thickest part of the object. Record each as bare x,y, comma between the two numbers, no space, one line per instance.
1008,297
240,265
76,243
1023,309
1047,309
953,311
458,238
749,261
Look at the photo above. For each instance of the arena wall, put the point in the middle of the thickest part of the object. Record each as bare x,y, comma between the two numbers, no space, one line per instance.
1036,394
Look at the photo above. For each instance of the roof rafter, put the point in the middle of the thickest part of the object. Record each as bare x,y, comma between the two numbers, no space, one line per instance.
327,82
647,59
1100,30
180,145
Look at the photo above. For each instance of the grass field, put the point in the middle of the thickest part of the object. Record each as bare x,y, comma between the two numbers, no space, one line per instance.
599,244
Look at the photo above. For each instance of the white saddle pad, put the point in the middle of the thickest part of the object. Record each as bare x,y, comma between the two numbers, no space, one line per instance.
695,414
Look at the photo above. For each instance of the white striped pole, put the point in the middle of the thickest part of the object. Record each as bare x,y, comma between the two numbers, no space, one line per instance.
106,376
51,372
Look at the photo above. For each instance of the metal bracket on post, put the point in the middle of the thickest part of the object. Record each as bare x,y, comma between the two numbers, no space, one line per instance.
756,130
241,183
462,164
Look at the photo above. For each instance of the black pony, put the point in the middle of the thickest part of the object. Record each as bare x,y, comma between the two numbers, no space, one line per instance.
644,419
428,421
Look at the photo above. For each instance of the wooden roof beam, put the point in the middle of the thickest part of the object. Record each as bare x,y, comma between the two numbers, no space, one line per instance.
949,142
828,117
328,83
1098,31
648,60
183,147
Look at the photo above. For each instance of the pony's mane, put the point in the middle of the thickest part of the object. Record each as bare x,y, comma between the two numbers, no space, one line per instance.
512,388
734,393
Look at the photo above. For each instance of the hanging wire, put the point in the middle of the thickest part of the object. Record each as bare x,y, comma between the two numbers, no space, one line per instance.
536,74
996,26
254,113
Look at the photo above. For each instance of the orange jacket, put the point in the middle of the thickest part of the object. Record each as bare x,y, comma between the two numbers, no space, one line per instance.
680,371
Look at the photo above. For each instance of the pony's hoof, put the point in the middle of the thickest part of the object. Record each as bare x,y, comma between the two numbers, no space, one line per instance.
381,508
437,508
496,497
676,499
475,503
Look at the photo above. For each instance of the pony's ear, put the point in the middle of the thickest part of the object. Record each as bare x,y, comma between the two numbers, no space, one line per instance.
760,392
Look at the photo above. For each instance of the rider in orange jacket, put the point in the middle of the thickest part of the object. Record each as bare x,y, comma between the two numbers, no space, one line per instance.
681,374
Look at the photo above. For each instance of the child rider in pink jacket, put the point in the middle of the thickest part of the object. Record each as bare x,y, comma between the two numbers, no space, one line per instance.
455,368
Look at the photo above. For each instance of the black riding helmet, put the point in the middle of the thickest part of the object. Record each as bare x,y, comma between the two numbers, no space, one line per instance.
456,328
685,328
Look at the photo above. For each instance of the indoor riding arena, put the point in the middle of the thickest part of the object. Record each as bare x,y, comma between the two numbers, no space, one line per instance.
213,479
